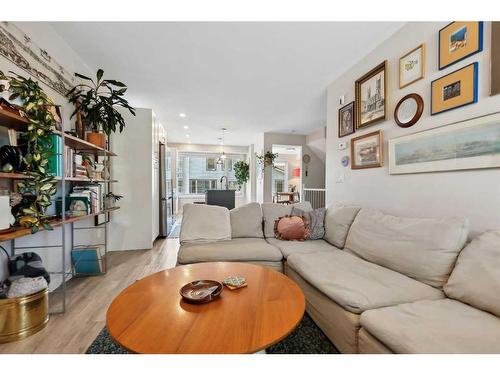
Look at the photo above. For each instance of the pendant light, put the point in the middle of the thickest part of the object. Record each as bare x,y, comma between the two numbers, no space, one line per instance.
222,157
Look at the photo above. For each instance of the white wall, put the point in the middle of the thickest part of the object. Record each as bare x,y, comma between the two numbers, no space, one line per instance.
46,37
316,168
474,194
135,225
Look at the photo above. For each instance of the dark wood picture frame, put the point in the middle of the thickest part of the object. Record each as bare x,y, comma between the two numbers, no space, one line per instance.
418,113
380,163
348,107
495,58
382,67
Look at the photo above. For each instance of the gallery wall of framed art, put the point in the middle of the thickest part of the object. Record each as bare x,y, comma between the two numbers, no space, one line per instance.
434,192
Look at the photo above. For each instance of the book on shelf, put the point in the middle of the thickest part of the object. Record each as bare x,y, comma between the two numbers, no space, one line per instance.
54,144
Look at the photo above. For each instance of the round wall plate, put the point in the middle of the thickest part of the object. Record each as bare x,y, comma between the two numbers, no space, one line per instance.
345,161
409,110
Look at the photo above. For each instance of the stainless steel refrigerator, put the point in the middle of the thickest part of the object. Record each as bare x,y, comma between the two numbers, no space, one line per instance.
166,192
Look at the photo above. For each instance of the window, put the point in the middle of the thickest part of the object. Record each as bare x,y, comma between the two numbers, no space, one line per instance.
199,172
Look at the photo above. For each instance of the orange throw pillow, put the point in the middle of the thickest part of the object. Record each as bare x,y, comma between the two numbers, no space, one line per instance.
291,228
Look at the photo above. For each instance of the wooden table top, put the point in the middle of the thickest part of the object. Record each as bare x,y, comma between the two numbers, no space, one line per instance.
150,316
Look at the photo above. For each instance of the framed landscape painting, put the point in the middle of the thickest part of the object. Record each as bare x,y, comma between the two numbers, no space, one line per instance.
454,90
459,40
346,120
371,97
412,66
470,144
366,151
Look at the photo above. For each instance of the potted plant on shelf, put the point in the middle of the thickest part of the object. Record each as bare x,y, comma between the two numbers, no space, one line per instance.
38,189
241,172
96,101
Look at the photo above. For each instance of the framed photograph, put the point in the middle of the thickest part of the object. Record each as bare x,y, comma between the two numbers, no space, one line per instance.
454,90
412,66
371,97
470,144
495,58
211,164
346,120
366,151
459,40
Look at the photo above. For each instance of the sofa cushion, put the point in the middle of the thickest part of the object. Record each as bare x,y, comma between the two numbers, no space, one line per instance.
273,211
475,279
291,228
444,326
246,221
203,223
288,248
338,220
358,285
424,249
235,250
316,219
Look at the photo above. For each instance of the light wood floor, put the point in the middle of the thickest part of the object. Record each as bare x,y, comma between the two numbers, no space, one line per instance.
88,299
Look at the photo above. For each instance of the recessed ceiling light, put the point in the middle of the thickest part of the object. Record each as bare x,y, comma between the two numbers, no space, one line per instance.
182,114
187,135
186,127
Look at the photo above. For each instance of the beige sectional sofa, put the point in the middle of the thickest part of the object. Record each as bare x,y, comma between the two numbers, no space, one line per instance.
375,283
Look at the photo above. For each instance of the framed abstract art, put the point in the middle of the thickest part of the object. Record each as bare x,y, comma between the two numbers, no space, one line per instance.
459,40
455,89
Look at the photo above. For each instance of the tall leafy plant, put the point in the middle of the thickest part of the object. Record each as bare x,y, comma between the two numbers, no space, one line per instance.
40,184
96,100
241,172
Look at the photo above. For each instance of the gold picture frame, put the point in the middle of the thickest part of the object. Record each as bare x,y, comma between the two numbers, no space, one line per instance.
454,90
367,151
412,66
371,107
459,40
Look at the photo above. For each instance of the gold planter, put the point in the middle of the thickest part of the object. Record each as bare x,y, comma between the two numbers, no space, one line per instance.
23,316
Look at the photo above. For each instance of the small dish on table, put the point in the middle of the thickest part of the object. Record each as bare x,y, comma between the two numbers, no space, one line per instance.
201,291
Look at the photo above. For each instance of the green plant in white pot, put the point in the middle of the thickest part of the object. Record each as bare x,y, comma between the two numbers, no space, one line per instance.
96,101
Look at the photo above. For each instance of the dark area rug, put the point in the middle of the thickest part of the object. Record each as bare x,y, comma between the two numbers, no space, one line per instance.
306,339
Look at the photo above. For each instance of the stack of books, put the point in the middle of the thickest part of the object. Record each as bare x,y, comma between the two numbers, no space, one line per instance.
94,195
69,155
55,147
78,169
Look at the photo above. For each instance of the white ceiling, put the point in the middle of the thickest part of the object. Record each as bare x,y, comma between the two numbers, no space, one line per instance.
248,77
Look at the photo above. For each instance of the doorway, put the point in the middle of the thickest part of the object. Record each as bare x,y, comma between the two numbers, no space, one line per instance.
287,174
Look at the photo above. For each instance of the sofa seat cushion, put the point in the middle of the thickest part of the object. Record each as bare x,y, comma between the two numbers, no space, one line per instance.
444,326
358,285
235,250
246,221
288,248
422,248
475,279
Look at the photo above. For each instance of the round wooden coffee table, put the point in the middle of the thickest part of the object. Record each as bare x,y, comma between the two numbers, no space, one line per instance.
150,316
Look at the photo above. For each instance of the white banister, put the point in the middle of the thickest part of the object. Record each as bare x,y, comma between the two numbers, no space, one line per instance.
316,196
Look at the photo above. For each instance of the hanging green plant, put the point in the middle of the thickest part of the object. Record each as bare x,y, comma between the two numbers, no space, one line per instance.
241,172
40,184
267,159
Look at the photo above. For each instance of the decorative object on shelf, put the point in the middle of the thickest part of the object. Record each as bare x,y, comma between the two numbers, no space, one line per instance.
367,151
412,66
5,210
409,110
459,40
345,160
495,58
87,260
201,291
469,144
371,97
455,89
306,159
41,123
11,159
266,160
19,48
346,120
96,102
241,172
110,200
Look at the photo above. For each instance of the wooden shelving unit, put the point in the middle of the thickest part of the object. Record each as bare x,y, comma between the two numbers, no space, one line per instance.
13,121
